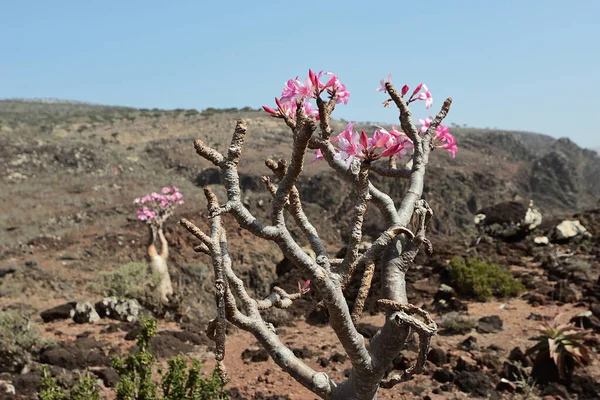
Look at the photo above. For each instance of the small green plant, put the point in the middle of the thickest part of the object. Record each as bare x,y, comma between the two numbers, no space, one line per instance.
51,390
129,281
85,388
482,280
455,324
178,383
561,344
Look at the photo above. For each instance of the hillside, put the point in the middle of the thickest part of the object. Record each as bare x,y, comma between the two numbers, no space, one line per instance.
70,171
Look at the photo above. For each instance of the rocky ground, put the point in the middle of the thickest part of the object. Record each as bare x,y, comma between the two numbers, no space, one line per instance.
70,175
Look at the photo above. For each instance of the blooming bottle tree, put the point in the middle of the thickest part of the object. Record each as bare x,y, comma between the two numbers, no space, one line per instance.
398,153
155,209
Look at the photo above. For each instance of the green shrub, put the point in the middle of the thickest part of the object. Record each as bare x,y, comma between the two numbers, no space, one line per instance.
455,324
482,280
178,383
18,338
129,281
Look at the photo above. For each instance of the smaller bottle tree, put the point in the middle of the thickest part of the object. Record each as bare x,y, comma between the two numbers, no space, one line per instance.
155,208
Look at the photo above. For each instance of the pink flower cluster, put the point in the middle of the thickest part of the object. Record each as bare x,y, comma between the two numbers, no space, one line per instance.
157,207
443,138
424,95
296,91
382,143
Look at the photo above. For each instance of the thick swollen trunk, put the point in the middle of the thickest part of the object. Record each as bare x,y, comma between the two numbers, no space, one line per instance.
158,264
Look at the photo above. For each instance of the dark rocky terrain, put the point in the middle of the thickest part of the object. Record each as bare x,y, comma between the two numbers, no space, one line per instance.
69,173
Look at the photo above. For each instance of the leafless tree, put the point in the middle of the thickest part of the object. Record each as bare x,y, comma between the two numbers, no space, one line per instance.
394,251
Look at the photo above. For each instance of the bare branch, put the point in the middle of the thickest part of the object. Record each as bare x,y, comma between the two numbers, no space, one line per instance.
278,298
405,114
361,186
363,293
304,130
390,172
294,207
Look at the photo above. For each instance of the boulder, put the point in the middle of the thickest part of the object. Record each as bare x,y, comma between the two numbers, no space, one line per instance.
84,312
569,229
509,220
63,311
126,310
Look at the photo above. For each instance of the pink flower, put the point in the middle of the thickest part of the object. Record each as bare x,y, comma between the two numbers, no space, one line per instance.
382,83
303,289
137,200
318,155
425,124
166,190
295,90
270,111
349,144
445,140
405,89
426,95
337,89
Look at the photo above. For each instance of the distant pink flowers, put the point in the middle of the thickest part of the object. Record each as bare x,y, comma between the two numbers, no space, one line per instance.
157,207
297,91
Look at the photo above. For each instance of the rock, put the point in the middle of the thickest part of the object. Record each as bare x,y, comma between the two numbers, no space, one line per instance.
466,364
255,355
556,390
166,345
469,344
84,312
508,220
323,362
303,353
491,361
108,376
506,386
517,355
64,311
126,310
9,269
338,358
437,356
77,354
7,387
490,324
541,240
586,320
569,229
476,383
443,375
444,292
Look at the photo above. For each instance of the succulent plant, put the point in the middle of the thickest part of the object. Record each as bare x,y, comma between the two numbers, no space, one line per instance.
564,344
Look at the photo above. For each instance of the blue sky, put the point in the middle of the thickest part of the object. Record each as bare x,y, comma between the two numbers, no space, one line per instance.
527,65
